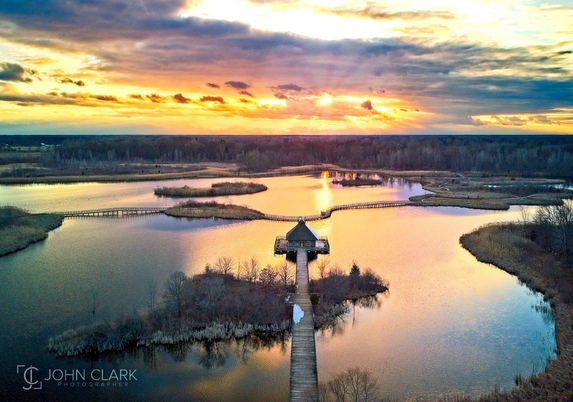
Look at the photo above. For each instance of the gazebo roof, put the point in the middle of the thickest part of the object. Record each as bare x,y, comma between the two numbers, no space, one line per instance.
301,232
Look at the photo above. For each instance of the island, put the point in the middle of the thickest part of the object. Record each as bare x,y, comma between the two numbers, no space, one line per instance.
213,209
216,190
220,304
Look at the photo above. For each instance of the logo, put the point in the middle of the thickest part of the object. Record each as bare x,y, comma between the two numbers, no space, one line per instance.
29,375
75,378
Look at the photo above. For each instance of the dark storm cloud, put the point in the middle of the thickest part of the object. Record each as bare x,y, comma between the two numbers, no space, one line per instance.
211,85
179,98
216,99
16,73
237,84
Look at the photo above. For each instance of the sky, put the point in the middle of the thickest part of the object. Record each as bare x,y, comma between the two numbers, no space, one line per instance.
286,67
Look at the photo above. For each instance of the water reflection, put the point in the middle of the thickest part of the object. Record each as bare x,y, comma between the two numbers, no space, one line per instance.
448,325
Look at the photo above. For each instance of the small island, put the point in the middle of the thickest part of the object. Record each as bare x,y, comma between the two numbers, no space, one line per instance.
216,190
359,181
227,301
19,229
213,209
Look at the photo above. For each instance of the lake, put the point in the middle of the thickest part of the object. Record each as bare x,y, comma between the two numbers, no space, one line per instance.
449,325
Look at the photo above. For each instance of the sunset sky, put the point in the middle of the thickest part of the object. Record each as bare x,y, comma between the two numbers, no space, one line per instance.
286,66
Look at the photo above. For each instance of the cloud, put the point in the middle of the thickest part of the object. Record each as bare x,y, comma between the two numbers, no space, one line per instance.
16,73
155,98
105,98
67,80
367,104
216,99
179,98
237,84
380,13
289,87
211,85
280,95
243,100
243,92
136,96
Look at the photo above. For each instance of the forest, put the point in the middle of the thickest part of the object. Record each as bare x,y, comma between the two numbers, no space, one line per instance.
547,155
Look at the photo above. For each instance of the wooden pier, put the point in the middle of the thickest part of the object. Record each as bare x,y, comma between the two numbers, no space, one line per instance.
112,212
303,371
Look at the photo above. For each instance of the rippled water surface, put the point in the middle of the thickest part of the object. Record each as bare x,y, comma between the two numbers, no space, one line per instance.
449,325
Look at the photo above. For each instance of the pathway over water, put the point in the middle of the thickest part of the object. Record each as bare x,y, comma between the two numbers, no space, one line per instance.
303,372
130,211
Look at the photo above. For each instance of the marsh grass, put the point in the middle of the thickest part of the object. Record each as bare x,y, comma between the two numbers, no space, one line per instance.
505,246
216,190
213,209
18,228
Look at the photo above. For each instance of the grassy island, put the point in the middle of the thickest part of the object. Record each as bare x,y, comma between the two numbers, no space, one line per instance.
194,209
19,229
357,182
523,250
216,306
216,190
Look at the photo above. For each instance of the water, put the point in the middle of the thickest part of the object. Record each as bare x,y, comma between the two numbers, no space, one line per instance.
449,325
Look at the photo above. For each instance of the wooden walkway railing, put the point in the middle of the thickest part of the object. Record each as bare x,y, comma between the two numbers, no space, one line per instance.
118,212
303,371
131,211
326,213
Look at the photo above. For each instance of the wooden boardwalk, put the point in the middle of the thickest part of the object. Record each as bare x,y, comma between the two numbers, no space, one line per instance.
132,211
303,372
115,212
327,212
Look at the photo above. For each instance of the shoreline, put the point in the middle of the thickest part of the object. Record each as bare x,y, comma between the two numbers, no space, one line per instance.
500,245
22,229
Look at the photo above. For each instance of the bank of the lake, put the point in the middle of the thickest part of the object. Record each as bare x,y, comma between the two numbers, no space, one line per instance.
505,246
19,229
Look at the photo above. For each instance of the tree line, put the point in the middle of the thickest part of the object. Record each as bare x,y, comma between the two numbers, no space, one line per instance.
490,154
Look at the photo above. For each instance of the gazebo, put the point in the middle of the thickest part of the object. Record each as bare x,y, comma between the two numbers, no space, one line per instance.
301,237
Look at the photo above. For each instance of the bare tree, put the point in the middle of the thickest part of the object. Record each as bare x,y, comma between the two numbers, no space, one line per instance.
354,384
173,295
322,265
251,270
224,265
286,273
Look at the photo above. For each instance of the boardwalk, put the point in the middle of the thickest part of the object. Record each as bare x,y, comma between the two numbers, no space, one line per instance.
131,211
116,212
303,372
327,212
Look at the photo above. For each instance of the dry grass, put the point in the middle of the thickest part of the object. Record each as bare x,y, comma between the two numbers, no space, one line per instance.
431,200
505,247
19,229
193,209
216,190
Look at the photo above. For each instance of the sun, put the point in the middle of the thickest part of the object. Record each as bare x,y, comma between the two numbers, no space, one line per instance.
326,100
